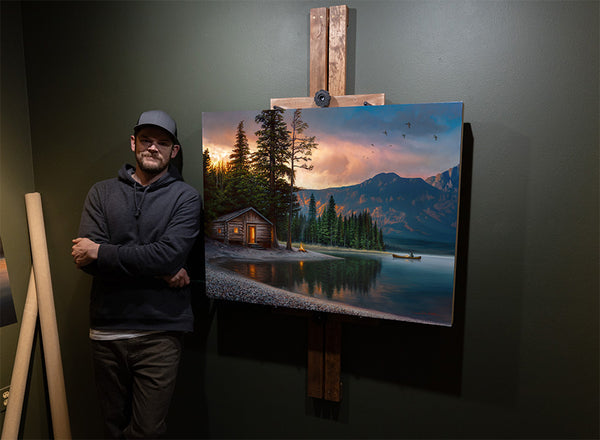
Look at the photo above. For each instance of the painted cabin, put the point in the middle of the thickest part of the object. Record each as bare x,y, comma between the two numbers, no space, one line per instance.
247,227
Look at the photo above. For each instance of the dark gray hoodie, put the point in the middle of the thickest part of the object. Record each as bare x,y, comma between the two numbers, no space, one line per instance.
144,233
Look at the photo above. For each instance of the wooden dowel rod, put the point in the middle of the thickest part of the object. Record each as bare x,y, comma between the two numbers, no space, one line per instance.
45,297
18,382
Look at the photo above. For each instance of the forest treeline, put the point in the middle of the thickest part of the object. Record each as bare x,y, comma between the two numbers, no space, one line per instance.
265,180
356,231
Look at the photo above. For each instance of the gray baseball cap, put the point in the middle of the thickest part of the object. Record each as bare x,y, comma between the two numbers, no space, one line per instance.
159,119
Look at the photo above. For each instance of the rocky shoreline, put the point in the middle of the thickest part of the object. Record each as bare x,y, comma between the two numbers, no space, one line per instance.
215,249
225,284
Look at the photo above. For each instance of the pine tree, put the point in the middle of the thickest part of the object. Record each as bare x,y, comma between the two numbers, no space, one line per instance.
240,154
330,221
214,194
270,164
239,183
209,188
299,157
312,220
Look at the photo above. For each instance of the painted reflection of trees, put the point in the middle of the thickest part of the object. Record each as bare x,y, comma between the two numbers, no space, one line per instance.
331,279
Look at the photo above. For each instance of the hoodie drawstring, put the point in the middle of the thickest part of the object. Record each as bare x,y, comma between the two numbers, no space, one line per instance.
138,207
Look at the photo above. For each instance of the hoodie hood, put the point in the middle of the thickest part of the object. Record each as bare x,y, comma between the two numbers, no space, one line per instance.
126,175
140,191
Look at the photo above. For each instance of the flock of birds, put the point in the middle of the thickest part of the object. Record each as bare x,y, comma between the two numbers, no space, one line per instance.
385,132
409,125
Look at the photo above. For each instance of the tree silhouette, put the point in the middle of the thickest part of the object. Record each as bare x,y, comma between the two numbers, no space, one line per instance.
239,182
299,157
270,164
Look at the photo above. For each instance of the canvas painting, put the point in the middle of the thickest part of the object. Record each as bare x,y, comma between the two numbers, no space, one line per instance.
349,210
7,308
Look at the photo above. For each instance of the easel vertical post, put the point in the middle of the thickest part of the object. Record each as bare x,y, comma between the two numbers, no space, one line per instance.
338,19
319,40
328,43
324,360
333,360
315,363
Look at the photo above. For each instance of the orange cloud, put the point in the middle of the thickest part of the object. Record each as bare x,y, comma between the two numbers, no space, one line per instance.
342,163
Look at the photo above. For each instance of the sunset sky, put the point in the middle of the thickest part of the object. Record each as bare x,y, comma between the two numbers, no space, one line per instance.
357,143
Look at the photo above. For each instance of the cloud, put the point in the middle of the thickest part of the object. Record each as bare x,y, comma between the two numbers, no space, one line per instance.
342,163
357,143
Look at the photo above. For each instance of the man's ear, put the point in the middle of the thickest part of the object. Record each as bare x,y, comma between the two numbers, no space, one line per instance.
132,143
175,150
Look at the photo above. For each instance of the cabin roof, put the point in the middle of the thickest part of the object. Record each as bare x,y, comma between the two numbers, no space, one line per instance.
228,217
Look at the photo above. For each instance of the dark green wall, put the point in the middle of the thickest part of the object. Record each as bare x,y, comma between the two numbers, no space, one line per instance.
522,361
17,179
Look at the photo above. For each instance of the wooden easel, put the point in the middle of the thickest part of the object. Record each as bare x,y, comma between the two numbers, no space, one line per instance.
328,41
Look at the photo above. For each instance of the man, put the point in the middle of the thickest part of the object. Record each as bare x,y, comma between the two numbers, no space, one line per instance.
135,235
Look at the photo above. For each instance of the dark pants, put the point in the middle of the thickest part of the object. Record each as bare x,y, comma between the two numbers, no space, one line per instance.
135,379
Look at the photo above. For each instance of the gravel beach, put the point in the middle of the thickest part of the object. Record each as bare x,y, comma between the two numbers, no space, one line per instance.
215,249
225,284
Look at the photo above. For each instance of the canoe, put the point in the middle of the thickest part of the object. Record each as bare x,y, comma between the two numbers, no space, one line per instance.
406,257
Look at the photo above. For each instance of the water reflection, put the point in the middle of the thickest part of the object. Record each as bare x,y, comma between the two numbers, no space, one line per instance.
421,289
332,279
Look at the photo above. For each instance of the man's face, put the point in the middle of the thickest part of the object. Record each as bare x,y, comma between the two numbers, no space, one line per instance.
153,149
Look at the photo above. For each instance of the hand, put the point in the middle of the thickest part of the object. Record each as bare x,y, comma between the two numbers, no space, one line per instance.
180,279
85,251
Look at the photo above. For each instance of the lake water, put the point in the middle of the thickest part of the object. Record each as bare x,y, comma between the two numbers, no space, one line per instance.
416,289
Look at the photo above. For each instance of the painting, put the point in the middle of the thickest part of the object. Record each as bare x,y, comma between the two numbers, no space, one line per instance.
349,210
7,308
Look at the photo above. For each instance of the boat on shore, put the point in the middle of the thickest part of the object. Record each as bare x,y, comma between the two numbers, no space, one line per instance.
407,257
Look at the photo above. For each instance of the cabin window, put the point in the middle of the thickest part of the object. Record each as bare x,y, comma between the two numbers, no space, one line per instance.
236,230
219,231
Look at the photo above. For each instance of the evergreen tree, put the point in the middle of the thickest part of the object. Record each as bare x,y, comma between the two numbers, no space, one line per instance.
331,222
240,183
311,236
270,165
214,195
299,157
209,188
240,155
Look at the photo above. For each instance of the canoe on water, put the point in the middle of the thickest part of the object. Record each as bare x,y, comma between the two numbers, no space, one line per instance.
407,257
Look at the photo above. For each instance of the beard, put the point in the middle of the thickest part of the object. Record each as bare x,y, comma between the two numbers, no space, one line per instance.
152,164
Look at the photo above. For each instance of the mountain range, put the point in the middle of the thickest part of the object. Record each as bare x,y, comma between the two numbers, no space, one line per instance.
404,208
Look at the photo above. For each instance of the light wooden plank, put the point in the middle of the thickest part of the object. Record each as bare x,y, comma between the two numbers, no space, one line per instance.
336,101
338,24
319,40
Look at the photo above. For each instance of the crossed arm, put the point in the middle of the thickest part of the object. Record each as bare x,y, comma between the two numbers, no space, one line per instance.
165,258
85,251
